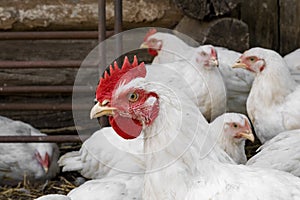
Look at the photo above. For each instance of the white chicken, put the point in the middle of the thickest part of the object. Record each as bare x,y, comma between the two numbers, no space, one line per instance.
236,130
35,161
178,152
105,154
202,74
168,48
281,152
273,104
293,62
117,187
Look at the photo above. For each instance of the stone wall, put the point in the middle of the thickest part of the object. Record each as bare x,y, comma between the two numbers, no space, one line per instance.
83,14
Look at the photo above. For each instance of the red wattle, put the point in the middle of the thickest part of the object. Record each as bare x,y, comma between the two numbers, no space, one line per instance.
152,52
126,127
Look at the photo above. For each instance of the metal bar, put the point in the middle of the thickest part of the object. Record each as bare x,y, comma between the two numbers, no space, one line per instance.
102,47
52,138
42,89
40,64
101,31
52,35
42,106
102,20
118,26
118,16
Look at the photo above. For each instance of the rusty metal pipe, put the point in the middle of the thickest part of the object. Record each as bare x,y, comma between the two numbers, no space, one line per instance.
42,89
42,106
52,35
52,138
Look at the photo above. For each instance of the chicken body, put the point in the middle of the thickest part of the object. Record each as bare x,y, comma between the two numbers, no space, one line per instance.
35,161
273,104
105,154
169,48
281,153
178,152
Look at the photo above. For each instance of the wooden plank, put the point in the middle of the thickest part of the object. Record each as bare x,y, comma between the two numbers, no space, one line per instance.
262,18
212,32
289,25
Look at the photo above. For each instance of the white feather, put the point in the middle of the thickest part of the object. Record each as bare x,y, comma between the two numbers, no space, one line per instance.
281,152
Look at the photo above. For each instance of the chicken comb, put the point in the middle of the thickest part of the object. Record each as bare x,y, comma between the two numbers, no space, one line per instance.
149,33
213,52
126,73
247,124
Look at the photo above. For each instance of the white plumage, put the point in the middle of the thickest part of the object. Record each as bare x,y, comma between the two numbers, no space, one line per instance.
36,161
117,187
169,48
54,197
181,156
238,82
273,104
236,130
293,62
203,77
105,154
281,152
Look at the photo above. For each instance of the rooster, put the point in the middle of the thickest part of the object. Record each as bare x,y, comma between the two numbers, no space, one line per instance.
177,149
168,48
273,104
281,152
35,161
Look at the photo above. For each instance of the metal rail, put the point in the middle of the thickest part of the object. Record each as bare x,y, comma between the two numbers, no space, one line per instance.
40,64
51,138
101,34
41,89
53,35
42,106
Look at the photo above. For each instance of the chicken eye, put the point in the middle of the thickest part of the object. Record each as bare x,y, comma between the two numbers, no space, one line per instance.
234,125
203,53
133,97
153,41
252,59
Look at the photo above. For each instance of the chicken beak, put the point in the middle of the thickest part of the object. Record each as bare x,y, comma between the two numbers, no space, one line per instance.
247,135
98,111
144,45
214,61
46,169
239,64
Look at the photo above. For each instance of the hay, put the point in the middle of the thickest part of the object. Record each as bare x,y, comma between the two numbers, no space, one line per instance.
26,190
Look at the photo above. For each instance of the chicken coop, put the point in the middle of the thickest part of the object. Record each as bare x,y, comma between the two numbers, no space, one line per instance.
45,45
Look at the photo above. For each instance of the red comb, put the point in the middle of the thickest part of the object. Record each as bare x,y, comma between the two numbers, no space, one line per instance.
213,52
128,72
149,33
247,125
